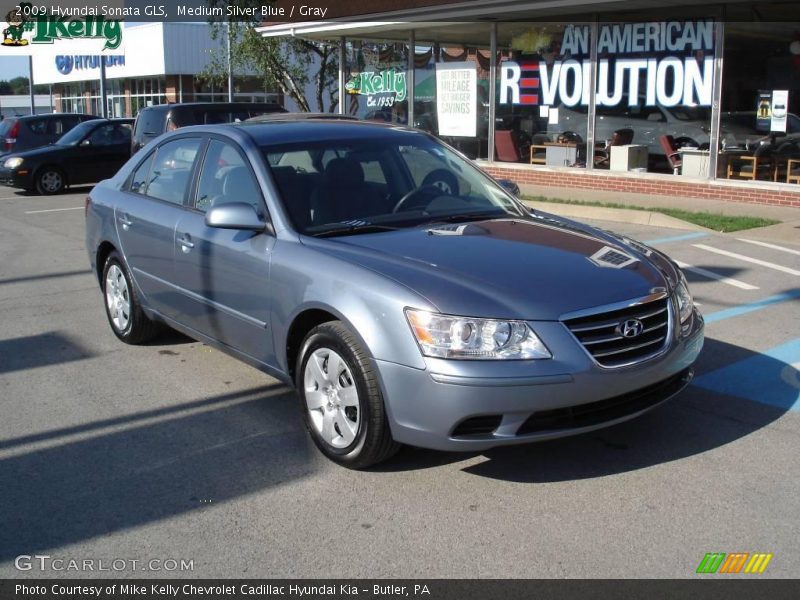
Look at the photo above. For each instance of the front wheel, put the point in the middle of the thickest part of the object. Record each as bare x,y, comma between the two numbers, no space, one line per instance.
341,400
124,312
50,180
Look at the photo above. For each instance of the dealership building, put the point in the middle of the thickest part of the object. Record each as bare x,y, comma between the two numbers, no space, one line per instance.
161,63
669,98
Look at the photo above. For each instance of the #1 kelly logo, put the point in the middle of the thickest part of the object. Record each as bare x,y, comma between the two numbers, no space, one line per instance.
44,28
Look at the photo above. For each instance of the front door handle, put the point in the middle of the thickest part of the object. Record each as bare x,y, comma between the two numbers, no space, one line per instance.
125,221
186,243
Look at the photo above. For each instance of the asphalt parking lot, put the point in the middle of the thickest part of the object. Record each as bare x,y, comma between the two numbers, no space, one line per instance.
175,451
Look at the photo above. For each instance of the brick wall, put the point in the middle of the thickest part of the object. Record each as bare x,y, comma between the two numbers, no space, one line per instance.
666,185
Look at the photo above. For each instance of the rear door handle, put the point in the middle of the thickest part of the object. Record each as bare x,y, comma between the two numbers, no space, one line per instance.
125,221
186,242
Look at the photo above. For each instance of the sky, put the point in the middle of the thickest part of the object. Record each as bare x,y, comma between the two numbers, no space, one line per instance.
13,66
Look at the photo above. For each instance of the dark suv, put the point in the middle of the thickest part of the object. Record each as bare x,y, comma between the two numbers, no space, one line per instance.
18,134
152,121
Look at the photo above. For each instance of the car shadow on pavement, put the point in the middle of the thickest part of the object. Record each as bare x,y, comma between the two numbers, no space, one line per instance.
99,478
697,420
40,350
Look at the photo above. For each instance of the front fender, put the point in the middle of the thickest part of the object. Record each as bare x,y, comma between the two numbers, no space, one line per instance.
370,303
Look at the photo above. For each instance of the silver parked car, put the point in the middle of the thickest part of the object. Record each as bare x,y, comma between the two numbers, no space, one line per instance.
406,295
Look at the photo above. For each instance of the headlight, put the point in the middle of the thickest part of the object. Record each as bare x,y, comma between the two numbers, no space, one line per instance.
445,336
13,163
684,298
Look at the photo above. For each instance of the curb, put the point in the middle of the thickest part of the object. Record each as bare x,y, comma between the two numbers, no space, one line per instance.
623,215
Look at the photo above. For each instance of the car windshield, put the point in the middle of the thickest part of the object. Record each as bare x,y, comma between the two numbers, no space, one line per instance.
74,136
377,184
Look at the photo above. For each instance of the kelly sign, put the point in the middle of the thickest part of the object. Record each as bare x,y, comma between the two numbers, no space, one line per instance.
668,63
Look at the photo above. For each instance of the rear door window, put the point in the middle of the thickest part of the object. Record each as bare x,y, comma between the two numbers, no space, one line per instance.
37,126
58,126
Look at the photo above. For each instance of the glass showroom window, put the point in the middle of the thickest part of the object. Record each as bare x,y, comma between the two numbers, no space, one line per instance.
654,96
451,85
375,81
542,94
759,123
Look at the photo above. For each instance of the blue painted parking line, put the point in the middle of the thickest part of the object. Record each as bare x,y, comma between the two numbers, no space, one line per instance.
676,238
769,378
751,306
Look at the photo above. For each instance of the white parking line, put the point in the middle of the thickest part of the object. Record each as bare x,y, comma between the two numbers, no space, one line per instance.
755,261
36,212
711,275
773,246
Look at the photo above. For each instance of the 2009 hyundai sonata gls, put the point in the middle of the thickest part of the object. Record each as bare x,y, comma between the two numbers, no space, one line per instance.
406,295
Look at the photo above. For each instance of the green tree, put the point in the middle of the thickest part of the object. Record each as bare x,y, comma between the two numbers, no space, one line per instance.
288,65
19,85
5,87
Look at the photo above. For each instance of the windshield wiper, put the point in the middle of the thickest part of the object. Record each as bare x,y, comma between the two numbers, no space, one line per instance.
473,216
348,229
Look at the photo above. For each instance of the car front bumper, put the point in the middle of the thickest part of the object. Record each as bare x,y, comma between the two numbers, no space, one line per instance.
530,400
17,178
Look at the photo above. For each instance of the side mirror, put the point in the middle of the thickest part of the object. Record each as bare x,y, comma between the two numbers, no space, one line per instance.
86,143
236,215
509,186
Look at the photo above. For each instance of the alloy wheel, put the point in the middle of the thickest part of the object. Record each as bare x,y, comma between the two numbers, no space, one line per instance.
118,298
331,398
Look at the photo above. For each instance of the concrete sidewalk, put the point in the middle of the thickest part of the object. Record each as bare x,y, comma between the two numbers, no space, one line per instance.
786,231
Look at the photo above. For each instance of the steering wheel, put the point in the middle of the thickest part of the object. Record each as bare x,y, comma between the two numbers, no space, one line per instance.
424,189
443,180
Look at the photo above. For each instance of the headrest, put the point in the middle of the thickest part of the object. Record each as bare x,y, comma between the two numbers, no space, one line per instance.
238,185
344,172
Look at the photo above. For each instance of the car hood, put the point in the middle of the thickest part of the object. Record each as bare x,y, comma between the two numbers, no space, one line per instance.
50,150
537,268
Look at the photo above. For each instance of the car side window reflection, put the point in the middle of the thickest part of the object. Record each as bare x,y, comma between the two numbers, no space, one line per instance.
109,135
226,178
171,170
140,176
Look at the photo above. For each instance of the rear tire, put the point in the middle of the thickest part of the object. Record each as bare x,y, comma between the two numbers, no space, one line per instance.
50,180
341,400
123,309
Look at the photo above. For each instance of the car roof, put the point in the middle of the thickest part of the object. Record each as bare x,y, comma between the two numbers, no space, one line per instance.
50,116
280,131
290,116
220,105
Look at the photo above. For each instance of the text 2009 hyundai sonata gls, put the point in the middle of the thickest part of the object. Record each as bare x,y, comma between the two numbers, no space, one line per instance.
405,294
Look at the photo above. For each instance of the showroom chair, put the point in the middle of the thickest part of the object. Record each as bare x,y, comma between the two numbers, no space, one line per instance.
793,170
621,137
507,148
670,149
538,152
759,165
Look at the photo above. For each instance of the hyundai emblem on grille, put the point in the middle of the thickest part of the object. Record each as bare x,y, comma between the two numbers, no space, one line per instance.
631,328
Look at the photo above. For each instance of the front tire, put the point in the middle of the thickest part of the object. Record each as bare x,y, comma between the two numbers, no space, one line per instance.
50,180
341,400
123,309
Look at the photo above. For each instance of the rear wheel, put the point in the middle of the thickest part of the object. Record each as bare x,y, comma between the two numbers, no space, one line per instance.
125,314
50,180
341,400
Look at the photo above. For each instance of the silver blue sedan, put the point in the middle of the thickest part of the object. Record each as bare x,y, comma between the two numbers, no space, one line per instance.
406,295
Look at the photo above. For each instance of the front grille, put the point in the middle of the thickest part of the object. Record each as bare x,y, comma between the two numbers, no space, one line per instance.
595,413
477,425
601,333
